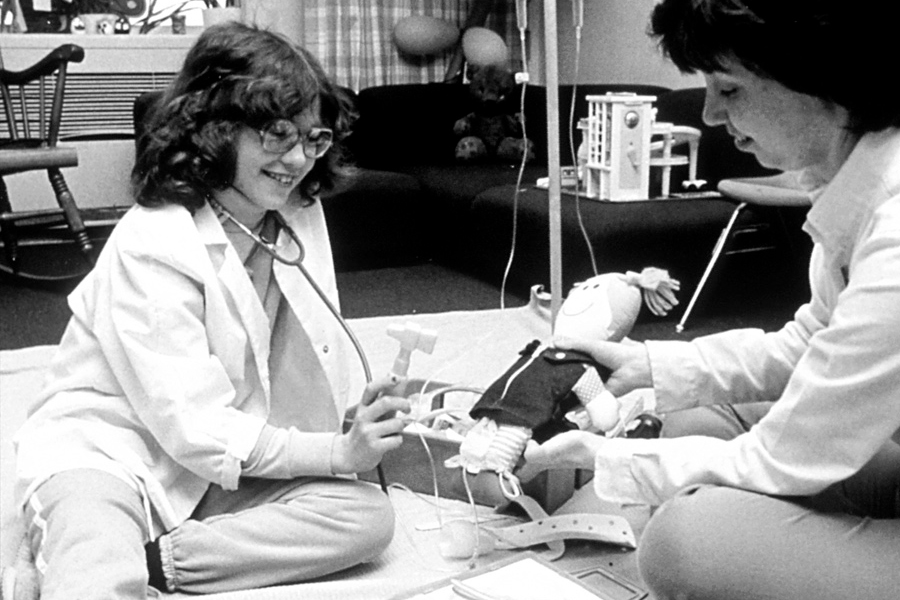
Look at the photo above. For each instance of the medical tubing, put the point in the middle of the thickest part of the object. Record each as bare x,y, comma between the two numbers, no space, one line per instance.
578,15
477,529
521,174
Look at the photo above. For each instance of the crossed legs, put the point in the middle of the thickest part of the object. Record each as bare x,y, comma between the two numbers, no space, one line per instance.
722,543
88,530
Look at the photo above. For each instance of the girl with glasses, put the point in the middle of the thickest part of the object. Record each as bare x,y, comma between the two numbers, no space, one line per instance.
189,436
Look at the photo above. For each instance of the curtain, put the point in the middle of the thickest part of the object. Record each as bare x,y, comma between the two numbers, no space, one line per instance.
353,38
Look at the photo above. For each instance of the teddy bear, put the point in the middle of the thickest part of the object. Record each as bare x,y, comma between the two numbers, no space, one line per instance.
493,131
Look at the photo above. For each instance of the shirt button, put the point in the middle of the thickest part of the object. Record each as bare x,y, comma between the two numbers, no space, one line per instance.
325,349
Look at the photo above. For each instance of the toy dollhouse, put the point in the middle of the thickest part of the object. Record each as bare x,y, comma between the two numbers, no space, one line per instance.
617,153
618,147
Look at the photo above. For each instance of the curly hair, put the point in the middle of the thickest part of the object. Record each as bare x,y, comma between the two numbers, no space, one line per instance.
805,45
234,75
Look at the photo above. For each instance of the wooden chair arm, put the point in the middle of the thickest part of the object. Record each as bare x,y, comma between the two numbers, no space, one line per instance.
29,159
46,66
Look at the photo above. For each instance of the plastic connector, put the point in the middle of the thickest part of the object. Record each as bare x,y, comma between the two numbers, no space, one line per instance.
411,337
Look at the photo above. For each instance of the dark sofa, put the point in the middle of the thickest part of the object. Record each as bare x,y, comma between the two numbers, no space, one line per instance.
412,201
404,137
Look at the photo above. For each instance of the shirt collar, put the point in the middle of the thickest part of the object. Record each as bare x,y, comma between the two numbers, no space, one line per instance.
870,175
211,231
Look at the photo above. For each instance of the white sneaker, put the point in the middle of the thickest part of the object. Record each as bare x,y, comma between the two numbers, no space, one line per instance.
20,579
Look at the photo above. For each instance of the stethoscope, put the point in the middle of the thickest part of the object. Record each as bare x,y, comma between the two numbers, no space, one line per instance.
271,249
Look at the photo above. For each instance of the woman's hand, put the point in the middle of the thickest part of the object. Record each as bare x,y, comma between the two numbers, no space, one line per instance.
376,429
628,360
568,450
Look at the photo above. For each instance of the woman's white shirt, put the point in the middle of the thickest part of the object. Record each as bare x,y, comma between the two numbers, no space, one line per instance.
834,370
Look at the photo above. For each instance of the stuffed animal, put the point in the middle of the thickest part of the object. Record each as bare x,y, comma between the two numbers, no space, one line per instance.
493,131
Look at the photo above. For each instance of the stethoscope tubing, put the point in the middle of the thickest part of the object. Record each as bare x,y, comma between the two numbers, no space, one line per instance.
298,262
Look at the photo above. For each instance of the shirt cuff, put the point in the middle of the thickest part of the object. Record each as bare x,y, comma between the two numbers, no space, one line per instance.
309,453
288,453
614,479
671,366
242,438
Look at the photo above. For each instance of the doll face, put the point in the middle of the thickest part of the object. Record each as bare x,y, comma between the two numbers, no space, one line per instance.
604,307
784,129
267,180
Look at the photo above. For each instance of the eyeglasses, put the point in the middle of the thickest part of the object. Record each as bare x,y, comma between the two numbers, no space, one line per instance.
281,135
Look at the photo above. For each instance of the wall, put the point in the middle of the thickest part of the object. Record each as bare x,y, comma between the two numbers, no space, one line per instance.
614,45
283,16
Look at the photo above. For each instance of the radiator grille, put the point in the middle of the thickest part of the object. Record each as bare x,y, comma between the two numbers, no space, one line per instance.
97,104
103,102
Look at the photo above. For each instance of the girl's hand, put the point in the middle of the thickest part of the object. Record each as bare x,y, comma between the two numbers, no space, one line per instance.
376,429
628,360
568,450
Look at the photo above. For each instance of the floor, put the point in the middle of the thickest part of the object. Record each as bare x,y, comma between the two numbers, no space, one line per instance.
743,293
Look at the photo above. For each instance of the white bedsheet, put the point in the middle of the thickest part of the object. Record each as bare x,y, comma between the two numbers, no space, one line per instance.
473,348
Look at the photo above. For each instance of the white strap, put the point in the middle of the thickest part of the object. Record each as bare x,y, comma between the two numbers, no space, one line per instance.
552,531
537,513
611,529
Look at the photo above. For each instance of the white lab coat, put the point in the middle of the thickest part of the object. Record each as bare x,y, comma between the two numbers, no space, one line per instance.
145,384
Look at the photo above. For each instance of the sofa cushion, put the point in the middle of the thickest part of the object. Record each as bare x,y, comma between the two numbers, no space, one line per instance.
673,234
454,187
377,219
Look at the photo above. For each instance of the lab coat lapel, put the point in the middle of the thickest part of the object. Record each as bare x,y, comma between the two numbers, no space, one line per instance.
328,341
236,283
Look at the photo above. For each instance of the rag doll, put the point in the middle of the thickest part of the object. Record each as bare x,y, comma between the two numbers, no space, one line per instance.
548,390
493,130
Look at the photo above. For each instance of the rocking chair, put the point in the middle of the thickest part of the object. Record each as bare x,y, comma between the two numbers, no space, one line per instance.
33,103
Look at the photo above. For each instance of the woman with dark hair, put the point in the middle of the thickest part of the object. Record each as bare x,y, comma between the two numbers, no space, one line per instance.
189,435
784,478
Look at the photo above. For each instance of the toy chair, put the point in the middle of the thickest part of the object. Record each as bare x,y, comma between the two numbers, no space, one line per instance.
33,104
775,190
661,151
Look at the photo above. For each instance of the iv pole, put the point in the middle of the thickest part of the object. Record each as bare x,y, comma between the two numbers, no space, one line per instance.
551,65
